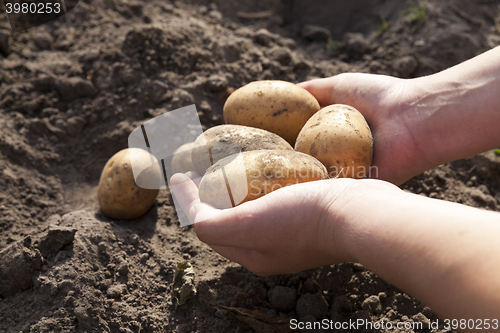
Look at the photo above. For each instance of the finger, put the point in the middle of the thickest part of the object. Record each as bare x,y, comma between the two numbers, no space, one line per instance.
202,212
321,89
185,191
228,227
195,177
236,254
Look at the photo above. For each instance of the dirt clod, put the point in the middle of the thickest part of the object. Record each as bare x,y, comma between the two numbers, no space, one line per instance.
18,265
356,44
75,87
315,33
312,305
372,304
282,298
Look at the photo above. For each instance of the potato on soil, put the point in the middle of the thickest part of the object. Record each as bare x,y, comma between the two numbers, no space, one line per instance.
277,106
252,174
119,196
181,160
340,138
225,140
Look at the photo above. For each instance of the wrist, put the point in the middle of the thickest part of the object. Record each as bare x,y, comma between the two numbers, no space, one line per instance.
455,112
359,215
415,111
433,96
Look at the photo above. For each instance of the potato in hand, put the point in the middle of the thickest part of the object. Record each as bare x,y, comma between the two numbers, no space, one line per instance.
225,140
181,160
250,175
276,106
340,138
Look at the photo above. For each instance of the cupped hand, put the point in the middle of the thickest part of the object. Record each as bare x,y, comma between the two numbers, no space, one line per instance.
386,103
286,231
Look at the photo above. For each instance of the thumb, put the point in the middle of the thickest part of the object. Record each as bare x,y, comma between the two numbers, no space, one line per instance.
186,192
322,89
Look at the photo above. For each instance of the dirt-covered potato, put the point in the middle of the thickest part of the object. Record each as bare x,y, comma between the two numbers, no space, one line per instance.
277,106
339,137
225,140
181,161
252,174
119,196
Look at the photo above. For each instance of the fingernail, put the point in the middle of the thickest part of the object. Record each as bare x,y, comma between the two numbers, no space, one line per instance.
178,178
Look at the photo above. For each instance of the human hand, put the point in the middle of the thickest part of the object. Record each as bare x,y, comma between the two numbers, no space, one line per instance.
386,103
286,231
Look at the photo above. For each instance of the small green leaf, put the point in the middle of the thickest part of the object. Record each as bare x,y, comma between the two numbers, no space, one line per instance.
415,13
497,151
183,287
383,26
333,45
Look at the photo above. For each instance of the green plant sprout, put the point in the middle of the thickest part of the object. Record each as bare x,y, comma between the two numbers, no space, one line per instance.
497,151
415,13
333,45
383,26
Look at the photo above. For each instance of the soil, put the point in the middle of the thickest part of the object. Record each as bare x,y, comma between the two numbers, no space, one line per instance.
73,89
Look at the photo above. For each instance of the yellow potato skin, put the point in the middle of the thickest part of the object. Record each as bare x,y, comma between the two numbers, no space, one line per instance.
182,161
257,174
119,196
225,140
340,138
276,106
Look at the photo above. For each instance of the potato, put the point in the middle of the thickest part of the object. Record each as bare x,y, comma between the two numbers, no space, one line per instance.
182,161
119,196
250,175
277,106
339,137
226,140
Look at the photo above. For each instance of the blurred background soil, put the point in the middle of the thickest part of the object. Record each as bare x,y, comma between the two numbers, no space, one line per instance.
72,90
